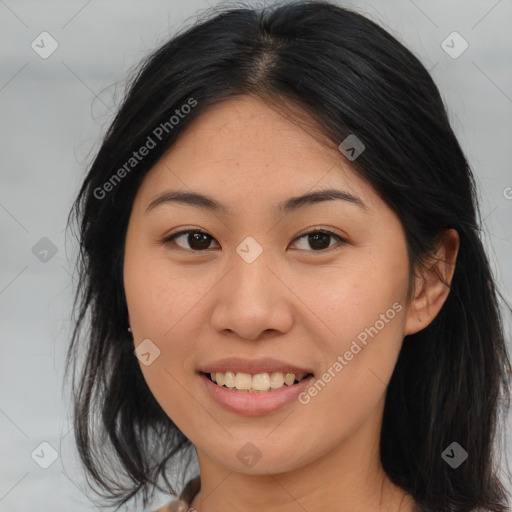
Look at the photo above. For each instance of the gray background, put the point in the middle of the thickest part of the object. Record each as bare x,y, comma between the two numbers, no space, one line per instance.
53,112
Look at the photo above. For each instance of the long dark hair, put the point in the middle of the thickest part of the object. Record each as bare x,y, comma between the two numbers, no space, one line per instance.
346,75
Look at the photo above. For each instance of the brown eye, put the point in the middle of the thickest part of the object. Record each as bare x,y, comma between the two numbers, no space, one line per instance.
197,240
319,240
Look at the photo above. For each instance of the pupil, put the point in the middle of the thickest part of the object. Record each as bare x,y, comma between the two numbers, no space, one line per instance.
202,240
196,238
315,239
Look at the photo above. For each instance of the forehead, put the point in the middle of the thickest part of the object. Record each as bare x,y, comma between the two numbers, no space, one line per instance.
247,129
244,150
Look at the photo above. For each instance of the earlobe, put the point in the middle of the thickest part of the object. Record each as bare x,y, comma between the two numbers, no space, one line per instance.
432,286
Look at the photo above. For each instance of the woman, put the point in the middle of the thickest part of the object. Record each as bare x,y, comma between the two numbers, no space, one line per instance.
280,255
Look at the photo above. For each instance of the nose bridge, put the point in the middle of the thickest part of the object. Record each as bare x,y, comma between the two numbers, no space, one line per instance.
251,270
252,299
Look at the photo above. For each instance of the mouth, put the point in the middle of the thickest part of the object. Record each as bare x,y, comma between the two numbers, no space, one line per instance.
241,382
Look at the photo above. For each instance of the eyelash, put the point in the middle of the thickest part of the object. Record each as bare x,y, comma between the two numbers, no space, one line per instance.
170,239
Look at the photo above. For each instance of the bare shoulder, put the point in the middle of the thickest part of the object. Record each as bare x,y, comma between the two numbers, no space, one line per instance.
174,506
187,496
165,508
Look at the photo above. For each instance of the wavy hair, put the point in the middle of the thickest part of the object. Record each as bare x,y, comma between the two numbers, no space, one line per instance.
345,75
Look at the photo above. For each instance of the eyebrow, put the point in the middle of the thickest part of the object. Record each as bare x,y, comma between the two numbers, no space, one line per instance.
284,207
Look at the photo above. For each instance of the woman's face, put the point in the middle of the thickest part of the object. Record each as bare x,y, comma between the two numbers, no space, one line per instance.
255,287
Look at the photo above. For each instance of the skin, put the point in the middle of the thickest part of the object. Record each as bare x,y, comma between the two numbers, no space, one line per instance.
296,302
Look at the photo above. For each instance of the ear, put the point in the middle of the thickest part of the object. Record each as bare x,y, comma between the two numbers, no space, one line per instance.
432,285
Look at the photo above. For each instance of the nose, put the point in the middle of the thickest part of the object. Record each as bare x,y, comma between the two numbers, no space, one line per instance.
252,300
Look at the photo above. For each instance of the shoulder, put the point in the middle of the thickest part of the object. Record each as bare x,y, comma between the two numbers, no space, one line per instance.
187,496
174,506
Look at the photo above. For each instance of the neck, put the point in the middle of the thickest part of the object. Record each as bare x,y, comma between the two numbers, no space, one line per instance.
392,499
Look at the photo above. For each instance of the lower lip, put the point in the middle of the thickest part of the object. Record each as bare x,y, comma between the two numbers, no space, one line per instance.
254,404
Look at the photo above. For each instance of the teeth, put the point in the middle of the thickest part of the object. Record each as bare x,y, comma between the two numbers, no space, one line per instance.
243,381
258,383
219,377
289,378
261,382
276,380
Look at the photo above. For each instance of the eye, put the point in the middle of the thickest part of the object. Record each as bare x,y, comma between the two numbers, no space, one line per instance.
199,241
317,239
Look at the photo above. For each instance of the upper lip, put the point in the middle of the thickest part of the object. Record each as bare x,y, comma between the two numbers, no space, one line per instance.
253,366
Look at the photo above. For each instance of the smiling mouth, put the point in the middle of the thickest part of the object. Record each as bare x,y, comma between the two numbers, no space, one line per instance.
257,383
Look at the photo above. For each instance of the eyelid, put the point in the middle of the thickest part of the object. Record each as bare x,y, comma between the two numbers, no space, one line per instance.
320,229
185,231
315,229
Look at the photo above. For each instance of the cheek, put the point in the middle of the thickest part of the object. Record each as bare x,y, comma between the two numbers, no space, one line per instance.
151,289
351,297
155,310
161,303
358,364
363,307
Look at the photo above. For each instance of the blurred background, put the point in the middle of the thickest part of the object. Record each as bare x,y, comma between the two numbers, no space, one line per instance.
62,74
